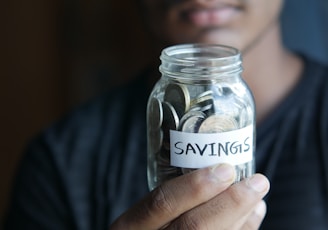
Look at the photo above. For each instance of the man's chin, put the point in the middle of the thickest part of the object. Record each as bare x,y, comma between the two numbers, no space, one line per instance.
208,37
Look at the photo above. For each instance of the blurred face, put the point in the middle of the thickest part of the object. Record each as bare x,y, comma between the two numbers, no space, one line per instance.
237,23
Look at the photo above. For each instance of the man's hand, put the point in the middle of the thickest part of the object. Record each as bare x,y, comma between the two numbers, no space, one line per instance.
202,199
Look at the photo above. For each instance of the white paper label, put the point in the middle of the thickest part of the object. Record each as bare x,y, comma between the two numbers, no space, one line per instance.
198,150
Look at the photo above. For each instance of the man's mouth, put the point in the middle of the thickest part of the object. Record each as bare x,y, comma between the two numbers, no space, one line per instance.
210,16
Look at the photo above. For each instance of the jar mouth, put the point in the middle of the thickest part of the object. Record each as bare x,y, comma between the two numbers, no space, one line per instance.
202,59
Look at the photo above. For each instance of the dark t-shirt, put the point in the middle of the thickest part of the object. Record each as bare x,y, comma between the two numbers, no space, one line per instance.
91,166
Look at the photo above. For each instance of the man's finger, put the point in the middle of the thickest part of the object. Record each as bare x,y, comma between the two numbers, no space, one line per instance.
227,209
175,197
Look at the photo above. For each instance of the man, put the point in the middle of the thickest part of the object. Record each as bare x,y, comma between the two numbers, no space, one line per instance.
88,171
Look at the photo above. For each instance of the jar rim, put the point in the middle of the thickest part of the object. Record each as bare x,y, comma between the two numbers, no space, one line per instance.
200,59
219,51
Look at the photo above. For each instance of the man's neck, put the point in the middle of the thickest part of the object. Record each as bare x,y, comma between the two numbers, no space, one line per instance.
270,71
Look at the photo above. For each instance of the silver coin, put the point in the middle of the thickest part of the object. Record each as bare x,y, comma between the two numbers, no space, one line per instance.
206,93
202,101
207,110
195,108
191,121
170,118
192,124
191,113
178,96
217,123
155,114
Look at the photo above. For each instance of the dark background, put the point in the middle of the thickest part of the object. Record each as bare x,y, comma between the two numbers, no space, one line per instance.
57,54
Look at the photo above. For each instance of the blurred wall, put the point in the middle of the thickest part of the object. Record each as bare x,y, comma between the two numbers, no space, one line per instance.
31,84
304,25
56,54
104,45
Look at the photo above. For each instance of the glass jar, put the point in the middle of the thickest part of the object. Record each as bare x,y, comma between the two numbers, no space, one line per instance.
200,113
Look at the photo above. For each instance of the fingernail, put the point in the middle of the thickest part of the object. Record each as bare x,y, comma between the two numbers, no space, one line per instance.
223,172
260,209
258,182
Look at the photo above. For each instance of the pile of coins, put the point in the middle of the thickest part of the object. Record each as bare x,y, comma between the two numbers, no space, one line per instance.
196,109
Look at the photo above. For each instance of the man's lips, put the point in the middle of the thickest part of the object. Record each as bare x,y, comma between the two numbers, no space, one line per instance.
205,17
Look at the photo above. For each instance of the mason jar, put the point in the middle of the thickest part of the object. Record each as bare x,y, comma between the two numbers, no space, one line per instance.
200,113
